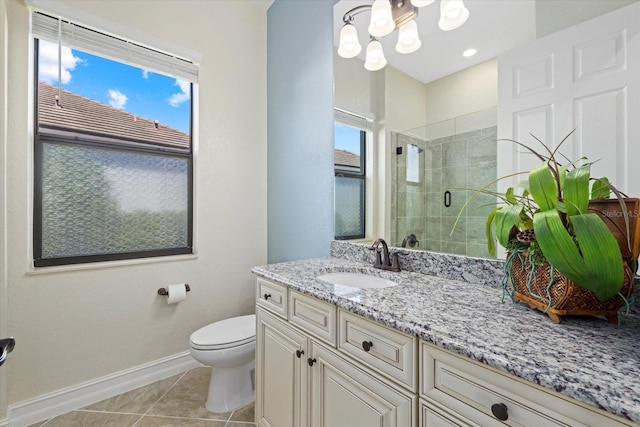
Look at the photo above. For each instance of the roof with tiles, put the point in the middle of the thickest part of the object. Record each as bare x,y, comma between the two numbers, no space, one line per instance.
346,158
82,114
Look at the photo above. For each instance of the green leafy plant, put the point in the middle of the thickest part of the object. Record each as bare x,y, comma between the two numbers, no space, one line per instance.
549,213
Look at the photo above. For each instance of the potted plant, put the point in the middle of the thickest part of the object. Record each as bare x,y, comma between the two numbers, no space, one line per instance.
565,238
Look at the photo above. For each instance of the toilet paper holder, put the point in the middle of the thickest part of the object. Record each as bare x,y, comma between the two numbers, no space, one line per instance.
164,291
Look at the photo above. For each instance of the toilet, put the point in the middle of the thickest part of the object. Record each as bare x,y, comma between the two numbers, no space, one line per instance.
228,346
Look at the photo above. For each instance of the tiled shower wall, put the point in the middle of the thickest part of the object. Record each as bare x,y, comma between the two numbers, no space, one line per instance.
458,164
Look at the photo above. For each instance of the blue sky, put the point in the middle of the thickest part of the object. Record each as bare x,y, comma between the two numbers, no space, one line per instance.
141,92
347,138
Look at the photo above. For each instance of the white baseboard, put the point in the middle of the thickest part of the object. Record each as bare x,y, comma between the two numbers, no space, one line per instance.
68,399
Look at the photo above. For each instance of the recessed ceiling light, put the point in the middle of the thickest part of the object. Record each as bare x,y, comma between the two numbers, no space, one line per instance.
469,52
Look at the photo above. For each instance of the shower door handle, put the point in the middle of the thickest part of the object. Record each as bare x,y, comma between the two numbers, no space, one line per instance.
447,199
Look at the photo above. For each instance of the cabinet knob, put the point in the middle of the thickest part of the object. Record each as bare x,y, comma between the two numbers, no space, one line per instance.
267,296
499,411
366,345
311,361
299,353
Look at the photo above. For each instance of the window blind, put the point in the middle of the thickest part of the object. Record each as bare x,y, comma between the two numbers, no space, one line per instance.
353,120
77,36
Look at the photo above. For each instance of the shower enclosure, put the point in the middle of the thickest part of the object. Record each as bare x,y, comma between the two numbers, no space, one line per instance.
437,168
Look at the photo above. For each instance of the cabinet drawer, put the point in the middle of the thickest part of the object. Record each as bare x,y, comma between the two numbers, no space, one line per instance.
386,350
314,316
473,389
271,296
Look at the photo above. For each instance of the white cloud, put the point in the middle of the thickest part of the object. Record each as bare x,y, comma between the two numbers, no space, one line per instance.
48,63
182,96
117,99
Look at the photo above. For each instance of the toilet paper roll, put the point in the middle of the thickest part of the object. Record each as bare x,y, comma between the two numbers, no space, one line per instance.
177,293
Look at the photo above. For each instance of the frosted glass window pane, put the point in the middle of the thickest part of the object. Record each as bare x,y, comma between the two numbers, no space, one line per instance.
99,201
349,207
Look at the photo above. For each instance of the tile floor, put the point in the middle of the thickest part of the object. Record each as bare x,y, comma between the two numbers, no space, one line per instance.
173,402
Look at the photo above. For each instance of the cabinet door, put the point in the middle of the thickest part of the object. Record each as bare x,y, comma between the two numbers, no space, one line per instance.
281,373
432,415
343,395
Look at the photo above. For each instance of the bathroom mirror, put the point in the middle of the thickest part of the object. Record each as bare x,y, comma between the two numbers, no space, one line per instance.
435,150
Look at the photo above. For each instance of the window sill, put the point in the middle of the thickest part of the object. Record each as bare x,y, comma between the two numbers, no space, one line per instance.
108,264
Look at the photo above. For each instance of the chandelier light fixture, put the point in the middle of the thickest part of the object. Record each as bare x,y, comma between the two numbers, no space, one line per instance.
386,16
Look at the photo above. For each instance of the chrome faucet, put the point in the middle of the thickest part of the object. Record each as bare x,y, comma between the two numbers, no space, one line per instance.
385,260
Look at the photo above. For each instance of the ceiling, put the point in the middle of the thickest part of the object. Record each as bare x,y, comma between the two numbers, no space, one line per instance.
493,27
264,4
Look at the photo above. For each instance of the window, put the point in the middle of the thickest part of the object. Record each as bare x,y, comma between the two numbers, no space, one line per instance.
113,156
350,175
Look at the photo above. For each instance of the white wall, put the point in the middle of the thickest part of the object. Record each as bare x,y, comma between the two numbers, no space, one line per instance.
352,85
4,36
555,15
78,324
467,91
405,101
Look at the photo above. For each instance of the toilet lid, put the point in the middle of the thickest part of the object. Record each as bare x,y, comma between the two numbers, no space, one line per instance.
226,333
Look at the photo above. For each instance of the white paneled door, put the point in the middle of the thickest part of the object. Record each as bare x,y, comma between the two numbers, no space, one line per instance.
586,78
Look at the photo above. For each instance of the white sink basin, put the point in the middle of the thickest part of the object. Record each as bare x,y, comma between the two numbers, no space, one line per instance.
356,280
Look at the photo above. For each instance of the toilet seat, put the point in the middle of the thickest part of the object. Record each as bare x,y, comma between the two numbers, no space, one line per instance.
223,334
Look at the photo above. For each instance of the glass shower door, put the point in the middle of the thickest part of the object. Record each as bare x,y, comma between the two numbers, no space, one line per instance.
437,167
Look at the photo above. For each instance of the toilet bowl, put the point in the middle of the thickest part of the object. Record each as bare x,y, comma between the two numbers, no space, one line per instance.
228,346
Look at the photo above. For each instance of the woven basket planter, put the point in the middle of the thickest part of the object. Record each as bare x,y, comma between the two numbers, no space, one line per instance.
559,296
611,214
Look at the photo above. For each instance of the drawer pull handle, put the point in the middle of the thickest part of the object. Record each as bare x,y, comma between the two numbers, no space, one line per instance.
299,353
311,361
366,345
499,411
267,296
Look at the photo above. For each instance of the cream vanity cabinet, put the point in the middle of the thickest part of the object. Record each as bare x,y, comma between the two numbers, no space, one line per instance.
303,379
320,366
456,391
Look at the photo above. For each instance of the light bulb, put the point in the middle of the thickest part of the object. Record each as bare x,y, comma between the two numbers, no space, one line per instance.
408,38
375,56
381,19
452,14
421,3
349,45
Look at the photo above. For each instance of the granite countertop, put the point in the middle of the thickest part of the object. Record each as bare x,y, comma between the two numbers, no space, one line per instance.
585,358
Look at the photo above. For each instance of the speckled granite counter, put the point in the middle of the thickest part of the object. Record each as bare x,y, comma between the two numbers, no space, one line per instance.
587,359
